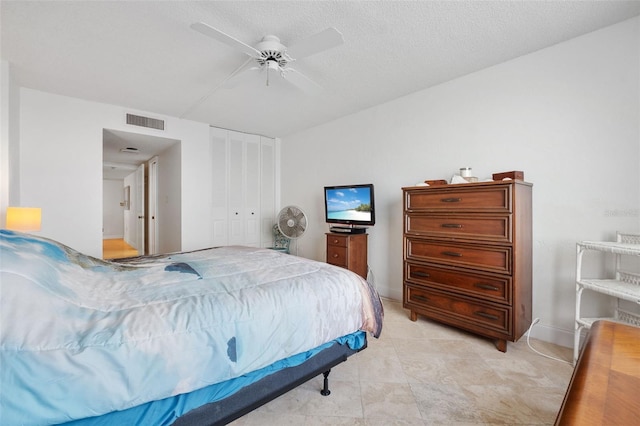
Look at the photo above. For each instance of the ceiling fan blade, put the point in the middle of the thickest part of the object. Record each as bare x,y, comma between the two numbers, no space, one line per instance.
240,70
245,75
302,82
317,43
209,31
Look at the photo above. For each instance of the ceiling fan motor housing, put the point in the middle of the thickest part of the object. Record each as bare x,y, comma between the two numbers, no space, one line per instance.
271,50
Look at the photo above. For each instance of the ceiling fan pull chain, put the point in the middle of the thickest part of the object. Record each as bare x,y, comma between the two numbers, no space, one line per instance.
267,75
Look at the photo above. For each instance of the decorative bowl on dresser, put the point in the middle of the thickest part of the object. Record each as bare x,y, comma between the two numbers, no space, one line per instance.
467,257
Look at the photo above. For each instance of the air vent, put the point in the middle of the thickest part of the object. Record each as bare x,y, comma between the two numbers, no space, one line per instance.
138,120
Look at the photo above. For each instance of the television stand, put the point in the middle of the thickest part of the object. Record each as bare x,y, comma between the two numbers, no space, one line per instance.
348,229
348,251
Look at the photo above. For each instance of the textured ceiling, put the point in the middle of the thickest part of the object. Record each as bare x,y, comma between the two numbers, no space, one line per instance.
145,56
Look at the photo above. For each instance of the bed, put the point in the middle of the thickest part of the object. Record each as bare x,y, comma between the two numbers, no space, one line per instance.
197,337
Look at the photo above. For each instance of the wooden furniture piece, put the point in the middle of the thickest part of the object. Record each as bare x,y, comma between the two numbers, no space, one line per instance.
625,285
605,383
467,257
348,251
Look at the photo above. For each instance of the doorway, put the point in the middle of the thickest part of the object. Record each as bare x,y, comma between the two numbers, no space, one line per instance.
138,172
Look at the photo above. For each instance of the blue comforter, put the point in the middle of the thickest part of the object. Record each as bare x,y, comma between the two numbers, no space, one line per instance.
81,337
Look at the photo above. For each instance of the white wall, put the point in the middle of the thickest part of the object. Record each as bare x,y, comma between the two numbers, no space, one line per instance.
61,167
112,208
568,116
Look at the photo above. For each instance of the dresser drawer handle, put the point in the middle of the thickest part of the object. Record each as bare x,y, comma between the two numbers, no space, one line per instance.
486,286
452,253
486,315
336,241
420,274
451,200
336,255
421,298
451,225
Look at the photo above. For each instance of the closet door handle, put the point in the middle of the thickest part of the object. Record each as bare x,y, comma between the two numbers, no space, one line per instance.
451,200
452,253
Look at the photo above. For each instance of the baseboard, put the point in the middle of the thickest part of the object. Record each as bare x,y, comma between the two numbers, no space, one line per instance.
555,335
113,237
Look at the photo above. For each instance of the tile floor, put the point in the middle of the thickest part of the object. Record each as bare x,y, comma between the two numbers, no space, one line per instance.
424,373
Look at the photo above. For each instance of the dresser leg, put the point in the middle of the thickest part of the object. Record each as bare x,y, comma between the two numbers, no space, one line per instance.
414,316
501,344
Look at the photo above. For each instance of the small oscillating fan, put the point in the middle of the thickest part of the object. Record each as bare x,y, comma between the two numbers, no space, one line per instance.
292,223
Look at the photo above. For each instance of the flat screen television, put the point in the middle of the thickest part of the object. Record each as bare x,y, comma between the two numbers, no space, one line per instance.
350,207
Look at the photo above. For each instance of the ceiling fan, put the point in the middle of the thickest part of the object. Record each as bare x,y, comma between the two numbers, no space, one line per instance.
272,57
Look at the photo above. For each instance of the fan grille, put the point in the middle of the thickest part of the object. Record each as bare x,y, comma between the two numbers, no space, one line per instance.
292,222
273,55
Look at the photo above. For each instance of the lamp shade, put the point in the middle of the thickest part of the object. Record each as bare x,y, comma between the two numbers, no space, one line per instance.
24,218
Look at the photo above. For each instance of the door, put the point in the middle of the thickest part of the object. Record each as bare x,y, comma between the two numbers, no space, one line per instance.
252,190
236,188
139,211
236,198
219,162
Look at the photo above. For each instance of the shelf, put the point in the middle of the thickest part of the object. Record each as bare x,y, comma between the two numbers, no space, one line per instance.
625,285
622,317
611,247
622,289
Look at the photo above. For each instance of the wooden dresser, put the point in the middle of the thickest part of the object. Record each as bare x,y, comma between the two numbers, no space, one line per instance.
467,257
348,251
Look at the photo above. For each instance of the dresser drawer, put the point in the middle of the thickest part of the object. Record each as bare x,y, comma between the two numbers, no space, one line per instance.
458,310
477,198
487,287
485,228
337,240
488,258
337,255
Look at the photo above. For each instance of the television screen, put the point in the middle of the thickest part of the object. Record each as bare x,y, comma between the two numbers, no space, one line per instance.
350,204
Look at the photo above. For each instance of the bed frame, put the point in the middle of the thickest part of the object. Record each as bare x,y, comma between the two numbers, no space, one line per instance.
268,388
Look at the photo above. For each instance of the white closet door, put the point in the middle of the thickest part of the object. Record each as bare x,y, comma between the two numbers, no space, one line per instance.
219,164
244,188
252,190
267,190
236,188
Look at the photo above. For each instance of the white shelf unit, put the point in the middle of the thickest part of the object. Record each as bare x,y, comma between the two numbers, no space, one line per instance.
624,286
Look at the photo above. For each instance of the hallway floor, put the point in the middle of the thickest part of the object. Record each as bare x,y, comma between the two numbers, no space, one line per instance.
117,248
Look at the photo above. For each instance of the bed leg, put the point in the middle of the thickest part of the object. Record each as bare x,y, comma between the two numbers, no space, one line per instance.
325,389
